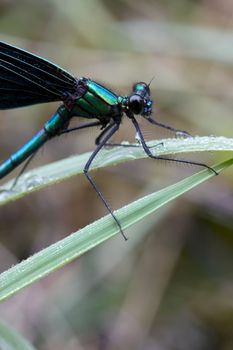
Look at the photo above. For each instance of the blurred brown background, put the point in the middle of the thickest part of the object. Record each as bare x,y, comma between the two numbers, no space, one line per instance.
171,285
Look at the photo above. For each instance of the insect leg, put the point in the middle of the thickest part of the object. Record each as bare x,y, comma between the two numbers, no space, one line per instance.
28,161
154,122
99,139
79,127
148,152
106,134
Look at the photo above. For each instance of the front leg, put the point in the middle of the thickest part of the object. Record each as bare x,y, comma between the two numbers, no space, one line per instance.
177,131
148,152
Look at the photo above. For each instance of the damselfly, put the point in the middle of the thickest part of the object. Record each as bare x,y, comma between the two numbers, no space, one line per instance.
27,79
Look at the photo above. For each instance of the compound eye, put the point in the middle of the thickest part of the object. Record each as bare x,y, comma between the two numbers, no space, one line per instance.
136,104
142,88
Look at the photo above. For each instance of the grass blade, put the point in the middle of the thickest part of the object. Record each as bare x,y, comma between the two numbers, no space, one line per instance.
76,244
11,340
58,171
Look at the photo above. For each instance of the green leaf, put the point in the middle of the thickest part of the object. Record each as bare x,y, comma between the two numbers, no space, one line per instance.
55,172
76,244
11,340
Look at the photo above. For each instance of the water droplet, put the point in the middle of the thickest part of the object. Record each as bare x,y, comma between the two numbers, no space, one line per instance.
137,138
31,181
182,134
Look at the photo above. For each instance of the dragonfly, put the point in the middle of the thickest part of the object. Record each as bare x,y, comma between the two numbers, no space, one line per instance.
27,79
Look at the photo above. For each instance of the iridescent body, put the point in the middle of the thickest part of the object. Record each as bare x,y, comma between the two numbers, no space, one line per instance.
27,79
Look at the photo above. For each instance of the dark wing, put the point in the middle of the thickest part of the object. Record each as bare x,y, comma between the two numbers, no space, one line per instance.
27,79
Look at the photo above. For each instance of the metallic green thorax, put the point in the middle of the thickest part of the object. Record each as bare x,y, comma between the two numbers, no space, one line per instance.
97,102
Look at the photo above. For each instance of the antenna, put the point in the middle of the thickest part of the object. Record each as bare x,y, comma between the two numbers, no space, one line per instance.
151,80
